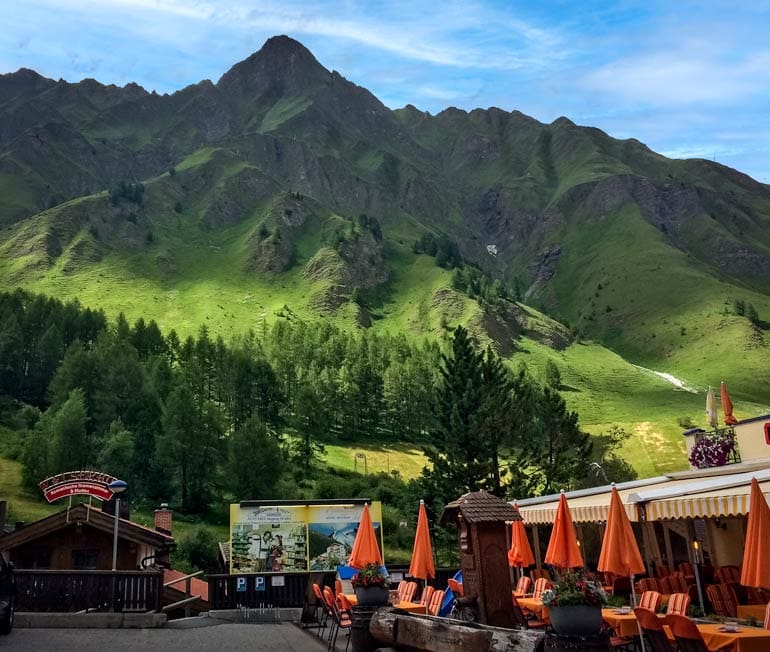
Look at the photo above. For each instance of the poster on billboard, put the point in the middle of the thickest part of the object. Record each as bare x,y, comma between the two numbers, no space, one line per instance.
296,537
332,530
268,539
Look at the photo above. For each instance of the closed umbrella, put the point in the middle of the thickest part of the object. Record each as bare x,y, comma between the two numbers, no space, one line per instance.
711,408
422,565
365,548
620,552
563,550
756,558
520,554
727,406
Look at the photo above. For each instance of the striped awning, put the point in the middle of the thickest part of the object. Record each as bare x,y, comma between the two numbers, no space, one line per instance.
545,514
698,494
587,505
713,504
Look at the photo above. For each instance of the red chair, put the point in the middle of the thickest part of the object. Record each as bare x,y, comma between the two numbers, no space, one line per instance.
436,600
686,634
678,583
523,585
678,604
652,629
722,599
665,585
648,584
331,605
537,573
728,574
650,600
663,571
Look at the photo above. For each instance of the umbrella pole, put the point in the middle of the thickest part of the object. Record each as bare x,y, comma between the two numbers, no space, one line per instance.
633,604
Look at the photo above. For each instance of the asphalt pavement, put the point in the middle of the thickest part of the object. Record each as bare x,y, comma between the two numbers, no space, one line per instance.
282,637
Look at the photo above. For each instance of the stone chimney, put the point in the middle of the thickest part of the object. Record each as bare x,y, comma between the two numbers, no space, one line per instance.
163,519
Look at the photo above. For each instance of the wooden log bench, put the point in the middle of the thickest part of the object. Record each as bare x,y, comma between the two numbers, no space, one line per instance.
397,631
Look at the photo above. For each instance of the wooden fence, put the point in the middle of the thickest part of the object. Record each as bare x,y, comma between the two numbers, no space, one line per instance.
62,591
281,590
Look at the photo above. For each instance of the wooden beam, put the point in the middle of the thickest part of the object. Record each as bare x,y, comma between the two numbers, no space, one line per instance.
431,634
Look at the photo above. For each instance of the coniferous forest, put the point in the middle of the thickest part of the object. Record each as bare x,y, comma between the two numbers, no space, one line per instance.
199,422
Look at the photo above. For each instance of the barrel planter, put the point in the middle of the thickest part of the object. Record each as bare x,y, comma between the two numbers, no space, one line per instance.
576,620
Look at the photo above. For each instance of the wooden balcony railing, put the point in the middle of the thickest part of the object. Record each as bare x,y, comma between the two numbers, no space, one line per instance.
62,591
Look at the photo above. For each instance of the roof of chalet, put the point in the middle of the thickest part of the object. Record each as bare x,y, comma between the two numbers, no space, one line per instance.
95,518
480,507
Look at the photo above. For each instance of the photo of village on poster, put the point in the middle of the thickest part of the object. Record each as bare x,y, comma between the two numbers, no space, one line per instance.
295,538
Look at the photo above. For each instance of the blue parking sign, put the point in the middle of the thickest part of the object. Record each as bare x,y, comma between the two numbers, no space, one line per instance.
259,583
240,584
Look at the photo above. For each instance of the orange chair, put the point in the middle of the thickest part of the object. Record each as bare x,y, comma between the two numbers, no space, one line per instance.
541,584
652,629
324,609
427,593
678,604
523,585
686,634
342,620
410,588
722,599
455,587
650,600
436,600
331,605
337,587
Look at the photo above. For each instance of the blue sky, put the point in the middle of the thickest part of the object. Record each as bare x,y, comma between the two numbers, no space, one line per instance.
687,78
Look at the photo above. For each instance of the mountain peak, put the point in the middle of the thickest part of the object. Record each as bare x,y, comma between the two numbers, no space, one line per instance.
282,64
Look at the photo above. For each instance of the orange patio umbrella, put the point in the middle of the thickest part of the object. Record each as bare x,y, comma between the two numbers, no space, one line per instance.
620,552
563,550
727,406
422,565
756,560
365,549
520,554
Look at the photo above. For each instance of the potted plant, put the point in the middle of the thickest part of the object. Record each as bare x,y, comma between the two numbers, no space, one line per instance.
371,585
575,604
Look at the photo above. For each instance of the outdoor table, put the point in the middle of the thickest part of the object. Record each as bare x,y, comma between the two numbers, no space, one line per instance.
412,607
755,611
535,605
624,624
746,639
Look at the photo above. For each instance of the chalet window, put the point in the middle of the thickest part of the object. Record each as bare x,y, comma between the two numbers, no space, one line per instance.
35,559
85,559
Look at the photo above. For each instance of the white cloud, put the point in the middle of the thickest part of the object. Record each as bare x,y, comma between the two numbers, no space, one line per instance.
445,38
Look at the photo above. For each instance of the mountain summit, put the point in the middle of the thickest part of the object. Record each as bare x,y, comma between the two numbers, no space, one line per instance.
281,67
